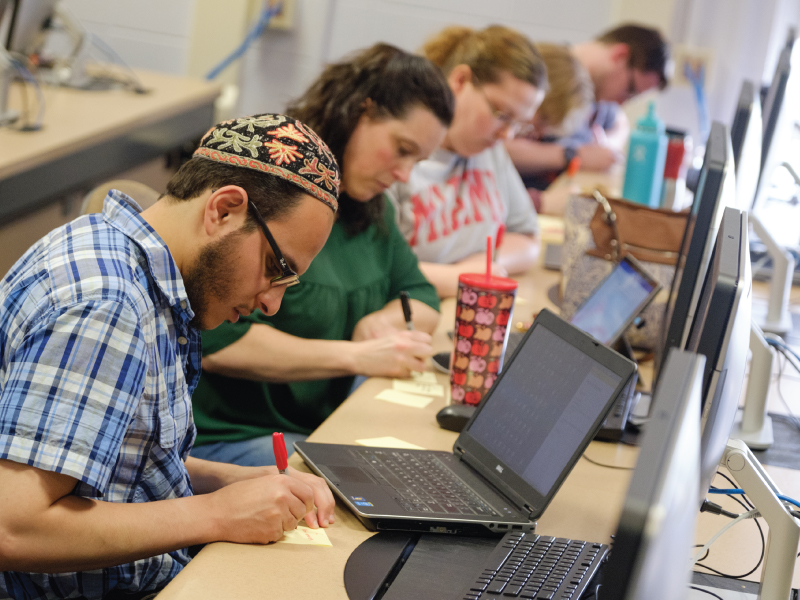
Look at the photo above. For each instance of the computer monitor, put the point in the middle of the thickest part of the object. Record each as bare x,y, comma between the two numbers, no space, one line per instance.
616,301
716,190
774,101
29,20
656,529
746,144
721,333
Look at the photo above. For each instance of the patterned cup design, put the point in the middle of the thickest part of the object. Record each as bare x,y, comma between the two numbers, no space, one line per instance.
481,332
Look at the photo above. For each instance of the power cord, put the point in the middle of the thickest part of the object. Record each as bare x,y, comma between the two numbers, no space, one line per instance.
29,78
791,416
716,509
747,505
710,593
750,514
599,464
789,356
133,81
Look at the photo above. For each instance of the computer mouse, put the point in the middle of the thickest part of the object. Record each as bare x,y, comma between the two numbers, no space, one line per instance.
455,416
441,362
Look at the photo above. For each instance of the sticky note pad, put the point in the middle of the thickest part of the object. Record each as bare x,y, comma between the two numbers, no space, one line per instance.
307,536
416,387
404,398
424,377
388,442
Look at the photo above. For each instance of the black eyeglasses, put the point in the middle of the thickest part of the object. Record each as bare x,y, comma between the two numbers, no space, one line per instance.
288,276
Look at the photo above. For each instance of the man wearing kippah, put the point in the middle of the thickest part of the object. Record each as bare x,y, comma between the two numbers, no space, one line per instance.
100,352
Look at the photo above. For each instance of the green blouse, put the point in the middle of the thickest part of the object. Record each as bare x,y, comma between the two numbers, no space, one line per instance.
349,279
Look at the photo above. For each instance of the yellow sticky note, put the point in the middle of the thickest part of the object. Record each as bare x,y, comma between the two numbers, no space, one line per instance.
424,377
520,301
404,398
416,387
306,535
388,442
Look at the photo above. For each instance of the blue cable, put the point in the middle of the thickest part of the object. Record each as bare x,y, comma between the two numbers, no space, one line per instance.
784,346
28,76
741,491
258,28
789,500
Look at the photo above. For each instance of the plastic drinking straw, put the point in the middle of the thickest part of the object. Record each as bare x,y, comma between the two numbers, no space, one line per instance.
488,257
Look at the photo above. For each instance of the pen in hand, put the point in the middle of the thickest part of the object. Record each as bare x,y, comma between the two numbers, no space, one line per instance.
404,300
279,448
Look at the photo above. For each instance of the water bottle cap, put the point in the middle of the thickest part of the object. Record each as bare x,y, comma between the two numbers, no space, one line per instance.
651,122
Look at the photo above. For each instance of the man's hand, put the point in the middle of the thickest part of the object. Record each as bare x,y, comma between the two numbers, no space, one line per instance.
394,355
595,157
323,499
259,510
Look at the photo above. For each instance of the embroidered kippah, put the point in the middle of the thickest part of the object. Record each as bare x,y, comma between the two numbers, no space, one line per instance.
278,145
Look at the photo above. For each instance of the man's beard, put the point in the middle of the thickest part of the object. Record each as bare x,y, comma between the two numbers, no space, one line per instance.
211,276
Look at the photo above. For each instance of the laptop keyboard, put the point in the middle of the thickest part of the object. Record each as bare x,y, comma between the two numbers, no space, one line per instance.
423,483
530,566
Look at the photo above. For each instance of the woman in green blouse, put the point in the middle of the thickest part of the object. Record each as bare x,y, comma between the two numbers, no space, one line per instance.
380,111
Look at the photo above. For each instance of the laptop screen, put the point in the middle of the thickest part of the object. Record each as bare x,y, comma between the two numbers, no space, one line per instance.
543,407
613,304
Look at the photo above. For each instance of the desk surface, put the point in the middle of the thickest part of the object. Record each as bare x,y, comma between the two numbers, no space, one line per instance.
586,507
75,118
88,136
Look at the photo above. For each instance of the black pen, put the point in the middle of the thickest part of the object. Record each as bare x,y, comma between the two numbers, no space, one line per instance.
404,300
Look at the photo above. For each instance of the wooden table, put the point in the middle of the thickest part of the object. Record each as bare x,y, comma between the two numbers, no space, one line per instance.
88,136
586,507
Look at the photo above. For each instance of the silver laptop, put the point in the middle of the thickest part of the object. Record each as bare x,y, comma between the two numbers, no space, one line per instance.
510,459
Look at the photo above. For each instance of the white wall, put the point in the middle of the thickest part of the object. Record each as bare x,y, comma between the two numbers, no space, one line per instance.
282,64
739,33
744,35
148,34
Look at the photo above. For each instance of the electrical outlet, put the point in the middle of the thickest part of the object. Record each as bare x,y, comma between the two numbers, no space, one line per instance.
693,57
284,20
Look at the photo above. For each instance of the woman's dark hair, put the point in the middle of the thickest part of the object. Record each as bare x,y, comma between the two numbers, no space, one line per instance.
273,196
394,82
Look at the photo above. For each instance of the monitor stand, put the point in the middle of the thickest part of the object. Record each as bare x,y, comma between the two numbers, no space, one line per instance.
753,425
778,319
784,529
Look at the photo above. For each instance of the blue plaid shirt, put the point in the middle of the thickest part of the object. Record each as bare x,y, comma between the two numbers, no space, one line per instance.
97,367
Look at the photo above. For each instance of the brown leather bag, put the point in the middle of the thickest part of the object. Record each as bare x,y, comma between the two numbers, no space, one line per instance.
620,227
599,232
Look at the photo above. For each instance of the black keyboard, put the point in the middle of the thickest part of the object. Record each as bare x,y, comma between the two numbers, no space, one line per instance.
423,483
535,567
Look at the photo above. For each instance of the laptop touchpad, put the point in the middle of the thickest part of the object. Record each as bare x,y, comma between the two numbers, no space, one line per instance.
349,474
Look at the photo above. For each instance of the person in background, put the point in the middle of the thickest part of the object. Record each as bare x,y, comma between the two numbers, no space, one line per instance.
468,188
623,62
100,352
381,110
564,110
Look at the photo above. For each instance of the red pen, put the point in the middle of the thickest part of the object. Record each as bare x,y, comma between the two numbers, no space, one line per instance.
279,448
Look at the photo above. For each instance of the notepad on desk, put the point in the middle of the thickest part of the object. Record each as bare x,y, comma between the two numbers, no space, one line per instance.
424,377
404,398
306,536
418,387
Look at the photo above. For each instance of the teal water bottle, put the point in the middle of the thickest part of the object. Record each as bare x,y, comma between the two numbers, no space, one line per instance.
644,171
